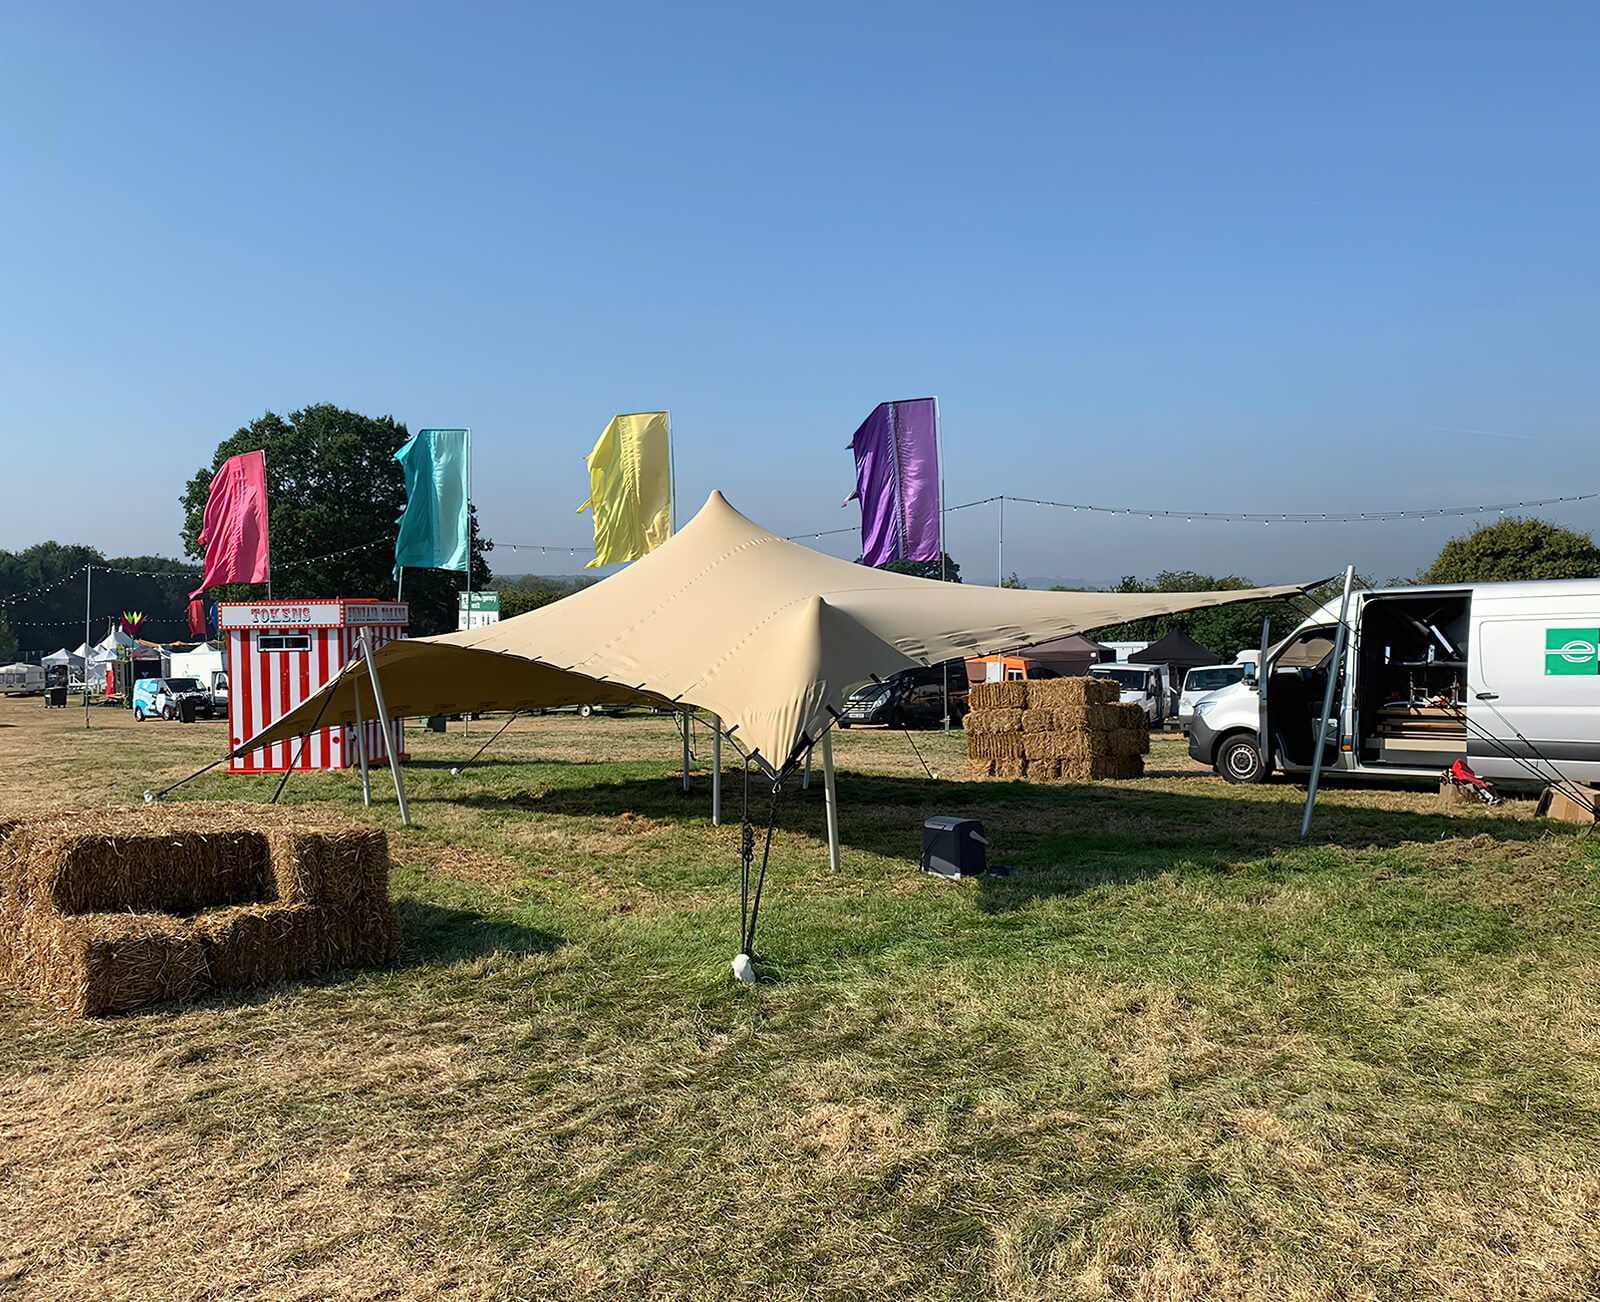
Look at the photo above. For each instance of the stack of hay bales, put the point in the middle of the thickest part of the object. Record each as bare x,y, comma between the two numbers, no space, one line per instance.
109,910
1054,730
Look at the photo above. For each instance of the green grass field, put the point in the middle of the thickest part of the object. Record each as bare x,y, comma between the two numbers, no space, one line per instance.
1176,1054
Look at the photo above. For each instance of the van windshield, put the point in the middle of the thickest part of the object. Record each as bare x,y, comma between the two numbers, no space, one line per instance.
1208,680
1130,680
182,684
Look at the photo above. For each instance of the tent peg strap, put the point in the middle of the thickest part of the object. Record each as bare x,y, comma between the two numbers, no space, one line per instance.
755,906
747,851
515,714
306,736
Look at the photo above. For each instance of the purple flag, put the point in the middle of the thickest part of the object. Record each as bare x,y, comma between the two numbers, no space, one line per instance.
897,480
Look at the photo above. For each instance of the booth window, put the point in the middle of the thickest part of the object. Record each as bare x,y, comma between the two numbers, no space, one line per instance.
284,642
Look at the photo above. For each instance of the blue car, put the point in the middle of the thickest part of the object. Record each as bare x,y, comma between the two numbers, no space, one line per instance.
163,698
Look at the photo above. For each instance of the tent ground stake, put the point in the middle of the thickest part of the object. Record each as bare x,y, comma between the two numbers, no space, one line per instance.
383,722
831,799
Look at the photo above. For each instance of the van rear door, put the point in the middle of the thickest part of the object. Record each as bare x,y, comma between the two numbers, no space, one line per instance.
1535,670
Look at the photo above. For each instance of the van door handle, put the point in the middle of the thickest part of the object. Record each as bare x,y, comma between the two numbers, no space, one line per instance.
1488,696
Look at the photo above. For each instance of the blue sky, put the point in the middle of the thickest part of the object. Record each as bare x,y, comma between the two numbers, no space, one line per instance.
1245,256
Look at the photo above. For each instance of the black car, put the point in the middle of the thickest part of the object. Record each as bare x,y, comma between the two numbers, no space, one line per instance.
913,698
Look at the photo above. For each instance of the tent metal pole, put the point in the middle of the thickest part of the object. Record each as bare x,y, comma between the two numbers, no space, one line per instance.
805,776
686,751
1335,670
361,753
830,799
716,770
938,441
88,655
383,722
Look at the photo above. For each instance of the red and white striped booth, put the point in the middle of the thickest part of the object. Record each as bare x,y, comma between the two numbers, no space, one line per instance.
279,653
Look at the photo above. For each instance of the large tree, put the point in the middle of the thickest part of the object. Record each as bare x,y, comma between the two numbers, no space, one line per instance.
1515,548
8,640
334,494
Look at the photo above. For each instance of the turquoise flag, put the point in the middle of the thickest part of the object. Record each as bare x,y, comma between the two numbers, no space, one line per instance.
434,533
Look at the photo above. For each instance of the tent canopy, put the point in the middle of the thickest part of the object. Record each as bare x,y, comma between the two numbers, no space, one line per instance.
1068,656
72,659
730,618
1180,651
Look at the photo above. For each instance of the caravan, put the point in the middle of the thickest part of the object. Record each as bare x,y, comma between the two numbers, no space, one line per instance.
1505,676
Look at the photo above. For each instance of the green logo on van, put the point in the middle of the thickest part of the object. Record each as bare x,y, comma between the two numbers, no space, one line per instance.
1572,651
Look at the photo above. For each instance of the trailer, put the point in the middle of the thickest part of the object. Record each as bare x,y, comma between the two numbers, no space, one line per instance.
21,680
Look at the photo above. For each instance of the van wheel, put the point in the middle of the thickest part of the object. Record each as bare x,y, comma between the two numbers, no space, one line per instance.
584,711
1239,762
169,712
138,713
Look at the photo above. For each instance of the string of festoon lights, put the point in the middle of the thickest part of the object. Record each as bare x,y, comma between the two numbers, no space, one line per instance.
572,549
1256,517
65,579
77,621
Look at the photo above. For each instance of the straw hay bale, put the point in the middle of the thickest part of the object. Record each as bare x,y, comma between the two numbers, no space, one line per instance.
1067,693
109,910
1126,741
1039,721
1086,718
329,866
1100,767
1010,770
998,696
978,770
988,723
1131,715
1002,746
1044,770
110,962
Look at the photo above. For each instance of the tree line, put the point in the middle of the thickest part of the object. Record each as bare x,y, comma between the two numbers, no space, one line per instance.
34,623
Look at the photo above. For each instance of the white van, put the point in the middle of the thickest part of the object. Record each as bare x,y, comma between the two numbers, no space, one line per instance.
1199,681
1503,675
1147,686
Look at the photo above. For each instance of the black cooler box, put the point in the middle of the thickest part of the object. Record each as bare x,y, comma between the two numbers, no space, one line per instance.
953,847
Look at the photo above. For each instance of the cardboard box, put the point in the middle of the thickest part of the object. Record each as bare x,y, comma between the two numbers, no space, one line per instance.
1555,803
1454,794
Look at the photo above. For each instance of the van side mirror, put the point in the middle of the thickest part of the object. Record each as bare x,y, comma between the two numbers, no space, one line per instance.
1249,679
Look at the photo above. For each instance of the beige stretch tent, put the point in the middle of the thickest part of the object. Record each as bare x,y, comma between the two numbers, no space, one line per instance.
724,616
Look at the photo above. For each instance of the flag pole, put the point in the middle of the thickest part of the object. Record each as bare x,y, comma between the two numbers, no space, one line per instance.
938,438
466,719
672,475
88,585
268,514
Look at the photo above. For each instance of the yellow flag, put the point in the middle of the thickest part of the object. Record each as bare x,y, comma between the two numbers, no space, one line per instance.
630,488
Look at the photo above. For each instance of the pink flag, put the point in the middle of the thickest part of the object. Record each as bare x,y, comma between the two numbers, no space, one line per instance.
235,530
